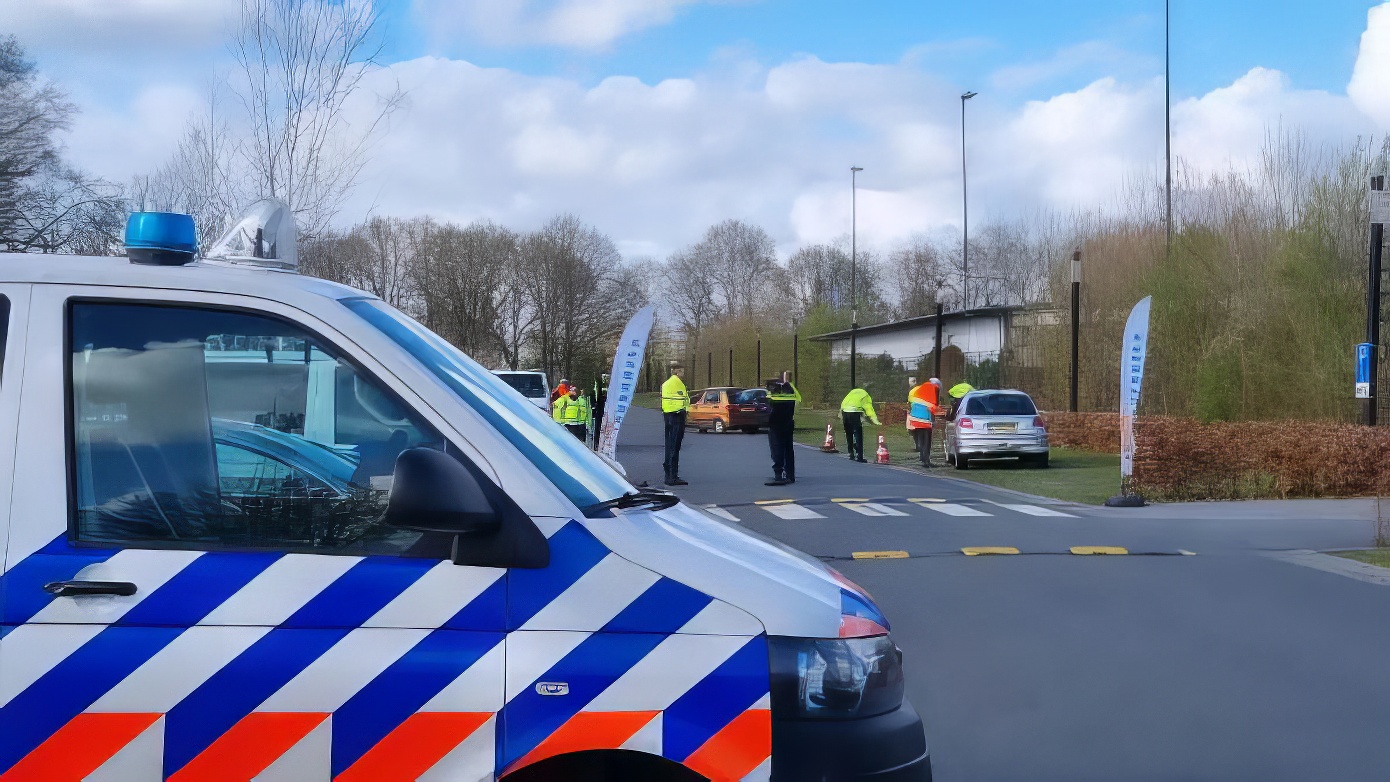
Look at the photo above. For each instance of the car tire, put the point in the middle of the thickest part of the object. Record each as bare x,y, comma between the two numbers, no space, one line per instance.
1039,461
950,458
719,426
750,430
962,463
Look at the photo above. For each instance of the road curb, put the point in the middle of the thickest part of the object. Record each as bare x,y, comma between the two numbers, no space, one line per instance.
1340,566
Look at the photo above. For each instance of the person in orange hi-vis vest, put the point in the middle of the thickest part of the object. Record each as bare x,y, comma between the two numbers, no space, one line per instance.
922,408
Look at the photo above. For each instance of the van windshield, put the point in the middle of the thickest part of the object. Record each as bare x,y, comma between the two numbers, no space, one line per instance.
528,383
581,475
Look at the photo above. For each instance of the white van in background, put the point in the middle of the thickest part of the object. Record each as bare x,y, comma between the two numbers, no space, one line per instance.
531,384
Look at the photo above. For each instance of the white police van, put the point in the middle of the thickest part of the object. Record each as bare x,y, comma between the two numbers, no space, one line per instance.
263,526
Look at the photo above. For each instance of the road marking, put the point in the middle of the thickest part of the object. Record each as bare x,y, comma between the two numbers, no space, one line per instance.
879,555
976,551
720,512
1032,510
790,510
771,502
952,509
872,509
1102,550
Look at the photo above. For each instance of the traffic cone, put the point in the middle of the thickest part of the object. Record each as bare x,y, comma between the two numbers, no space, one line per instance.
829,446
882,451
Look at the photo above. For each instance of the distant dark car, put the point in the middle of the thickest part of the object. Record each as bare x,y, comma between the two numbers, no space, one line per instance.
722,409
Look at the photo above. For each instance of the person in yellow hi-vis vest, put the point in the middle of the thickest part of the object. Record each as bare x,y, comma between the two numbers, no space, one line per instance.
856,405
572,410
675,401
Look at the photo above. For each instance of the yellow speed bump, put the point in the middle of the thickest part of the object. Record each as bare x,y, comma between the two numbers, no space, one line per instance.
978,551
1090,550
880,555
771,502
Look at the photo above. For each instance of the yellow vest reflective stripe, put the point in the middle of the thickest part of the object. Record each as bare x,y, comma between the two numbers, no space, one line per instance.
673,395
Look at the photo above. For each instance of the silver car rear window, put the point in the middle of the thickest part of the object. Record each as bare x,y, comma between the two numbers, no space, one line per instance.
1000,404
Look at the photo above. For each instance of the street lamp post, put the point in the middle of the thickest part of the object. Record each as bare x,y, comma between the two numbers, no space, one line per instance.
1168,121
853,297
1075,325
965,209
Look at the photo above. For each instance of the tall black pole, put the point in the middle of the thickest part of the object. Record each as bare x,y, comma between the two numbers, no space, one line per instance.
1168,119
964,210
936,351
1075,325
853,261
1373,307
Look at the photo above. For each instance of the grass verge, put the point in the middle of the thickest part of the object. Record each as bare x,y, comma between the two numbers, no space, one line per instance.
1075,476
1375,556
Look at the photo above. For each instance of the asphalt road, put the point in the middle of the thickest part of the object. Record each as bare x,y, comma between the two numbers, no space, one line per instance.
1232,663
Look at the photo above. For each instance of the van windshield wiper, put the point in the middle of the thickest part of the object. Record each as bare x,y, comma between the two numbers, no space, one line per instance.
656,498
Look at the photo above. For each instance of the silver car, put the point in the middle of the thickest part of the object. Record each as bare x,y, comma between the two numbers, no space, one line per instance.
996,424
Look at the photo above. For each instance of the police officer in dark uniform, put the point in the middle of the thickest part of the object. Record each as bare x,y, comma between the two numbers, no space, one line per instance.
783,397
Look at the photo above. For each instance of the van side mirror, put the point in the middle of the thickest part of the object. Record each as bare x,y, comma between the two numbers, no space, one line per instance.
432,492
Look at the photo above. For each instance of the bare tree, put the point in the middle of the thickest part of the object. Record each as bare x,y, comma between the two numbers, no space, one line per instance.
920,276
741,261
45,205
580,292
688,293
299,62
463,279
201,178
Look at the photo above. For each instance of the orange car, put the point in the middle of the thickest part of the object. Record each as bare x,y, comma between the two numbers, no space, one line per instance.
722,409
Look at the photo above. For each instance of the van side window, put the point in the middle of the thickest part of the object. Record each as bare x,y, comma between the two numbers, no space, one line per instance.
209,428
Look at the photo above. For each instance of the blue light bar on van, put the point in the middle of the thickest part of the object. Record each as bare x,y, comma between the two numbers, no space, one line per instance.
160,238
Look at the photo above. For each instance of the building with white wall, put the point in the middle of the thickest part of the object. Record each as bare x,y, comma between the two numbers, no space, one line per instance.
980,334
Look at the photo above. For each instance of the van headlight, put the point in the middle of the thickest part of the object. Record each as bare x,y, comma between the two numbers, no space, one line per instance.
835,678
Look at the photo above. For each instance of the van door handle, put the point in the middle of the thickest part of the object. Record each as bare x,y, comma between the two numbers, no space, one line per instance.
86,588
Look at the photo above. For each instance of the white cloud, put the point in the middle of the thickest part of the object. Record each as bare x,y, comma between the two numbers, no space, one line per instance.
1370,80
581,24
653,165
120,143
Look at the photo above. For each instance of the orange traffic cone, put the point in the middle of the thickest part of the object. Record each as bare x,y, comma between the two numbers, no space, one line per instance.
882,451
829,446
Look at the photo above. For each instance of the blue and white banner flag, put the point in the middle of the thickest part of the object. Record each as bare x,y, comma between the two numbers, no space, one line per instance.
622,384
1136,349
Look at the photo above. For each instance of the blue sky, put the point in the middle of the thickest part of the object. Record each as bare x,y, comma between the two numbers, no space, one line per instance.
654,119
1213,43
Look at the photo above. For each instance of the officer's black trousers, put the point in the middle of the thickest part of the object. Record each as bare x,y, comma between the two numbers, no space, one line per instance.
675,433
854,433
779,442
